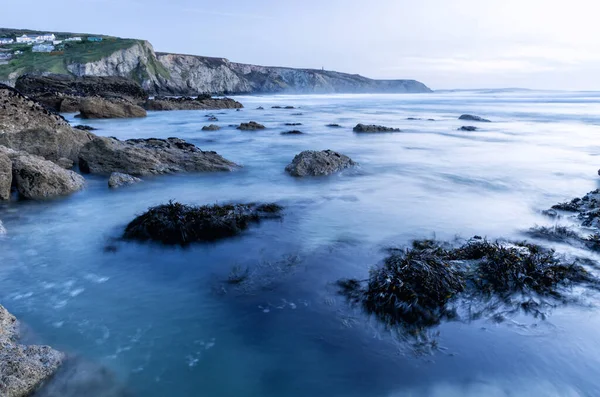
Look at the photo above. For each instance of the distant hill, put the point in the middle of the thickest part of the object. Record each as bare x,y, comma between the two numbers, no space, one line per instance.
177,74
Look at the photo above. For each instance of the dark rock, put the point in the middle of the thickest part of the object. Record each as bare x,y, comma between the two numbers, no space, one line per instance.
317,163
141,157
292,132
212,127
292,124
103,108
333,125
213,118
118,179
28,126
84,127
470,117
187,103
176,223
251,126
469,128
297,114
276,107
374,128
260,108
23,368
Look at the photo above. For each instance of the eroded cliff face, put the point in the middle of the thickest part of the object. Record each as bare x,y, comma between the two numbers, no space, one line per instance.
175,74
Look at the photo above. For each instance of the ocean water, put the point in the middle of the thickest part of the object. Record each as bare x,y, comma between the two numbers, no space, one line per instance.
153,321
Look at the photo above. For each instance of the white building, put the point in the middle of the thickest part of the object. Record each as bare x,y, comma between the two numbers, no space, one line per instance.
36,39
6,40
42,48
25,39
73,39
46,37
57,42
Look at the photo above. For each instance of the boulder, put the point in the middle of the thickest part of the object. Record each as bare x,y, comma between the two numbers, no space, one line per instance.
176,223
23,368
212,127
113,108
333,125
374,128
469,128
36,178
118,179
260,108
187,103
5,176
212,118
470,117
317,163
292,132
141,157
251,126
26,125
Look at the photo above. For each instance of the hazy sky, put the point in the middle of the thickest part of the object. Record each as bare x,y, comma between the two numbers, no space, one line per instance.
545,44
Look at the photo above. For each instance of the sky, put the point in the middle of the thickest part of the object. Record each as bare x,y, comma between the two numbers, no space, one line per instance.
446,44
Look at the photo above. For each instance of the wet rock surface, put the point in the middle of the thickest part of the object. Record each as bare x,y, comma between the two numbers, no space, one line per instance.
23,368
181,224
5,176
292,132
212,127
109,108
374,128
251,126
470,117
118,179
318,163
139,157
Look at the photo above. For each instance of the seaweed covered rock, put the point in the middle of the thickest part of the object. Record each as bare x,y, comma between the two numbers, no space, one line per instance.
23,368
318,163
139,157
471,117
420,286
201,102
118,179
109,108
374,128
251,126
37,178
212,127
176,223
587,208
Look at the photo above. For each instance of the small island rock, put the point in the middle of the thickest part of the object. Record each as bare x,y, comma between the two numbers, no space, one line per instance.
374,128
318,163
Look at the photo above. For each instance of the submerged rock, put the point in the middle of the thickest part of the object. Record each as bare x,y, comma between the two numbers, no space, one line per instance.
5,176
469,128
317,163
23,368
176,223
471,117
374,128
26,125
260,108
292,132
37,178
212,127
251,126
333,125
186,103
118,179
212,118
113,108
141,157
292,124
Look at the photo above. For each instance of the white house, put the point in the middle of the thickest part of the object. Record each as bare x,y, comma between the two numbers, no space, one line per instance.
6,40
46,37
57,42
42,48
73,39
25,39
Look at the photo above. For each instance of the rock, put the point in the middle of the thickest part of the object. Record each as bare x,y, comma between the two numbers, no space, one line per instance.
176,223
275,107
469,128
65,163
118,179
26,125
374,128
212,127
5,176
260,108
85,86
333,125
37,178
293,132
251,126
316,163
23,368
84,127
470,117
282,107
292,124
212,118
114,108
141,157
187,103
297,114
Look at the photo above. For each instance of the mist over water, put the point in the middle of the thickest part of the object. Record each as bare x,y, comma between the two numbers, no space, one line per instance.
165,321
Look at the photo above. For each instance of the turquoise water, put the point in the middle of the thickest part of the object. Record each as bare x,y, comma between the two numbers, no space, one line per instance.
164,321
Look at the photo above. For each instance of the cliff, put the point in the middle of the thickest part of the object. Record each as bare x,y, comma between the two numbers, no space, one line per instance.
176,74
